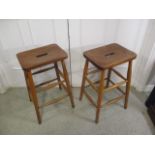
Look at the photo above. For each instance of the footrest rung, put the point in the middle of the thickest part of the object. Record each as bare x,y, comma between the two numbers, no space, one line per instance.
54,101
116,85
114,100
93,71
43,70
92,84
46,82
52,85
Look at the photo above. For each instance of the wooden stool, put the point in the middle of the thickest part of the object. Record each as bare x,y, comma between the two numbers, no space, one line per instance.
38,57
105,58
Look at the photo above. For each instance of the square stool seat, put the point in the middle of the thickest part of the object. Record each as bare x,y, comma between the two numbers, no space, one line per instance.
41,56
108,56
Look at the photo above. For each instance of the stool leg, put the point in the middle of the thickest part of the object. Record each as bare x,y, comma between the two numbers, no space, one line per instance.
85,70
57,74
128,84
108,78
67,83
100,95
27,84
34,96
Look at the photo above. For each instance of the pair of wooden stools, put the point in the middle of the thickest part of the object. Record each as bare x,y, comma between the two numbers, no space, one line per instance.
103,58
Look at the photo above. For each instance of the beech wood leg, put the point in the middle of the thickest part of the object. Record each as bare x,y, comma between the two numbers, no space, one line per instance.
100,95
128,84
67,83
85,70
27,84
108,78
34,96
57,74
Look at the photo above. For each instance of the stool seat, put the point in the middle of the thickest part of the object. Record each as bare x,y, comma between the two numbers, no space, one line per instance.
108,56
41,56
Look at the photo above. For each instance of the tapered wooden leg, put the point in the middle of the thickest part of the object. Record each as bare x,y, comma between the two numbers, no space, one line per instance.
108,78
100,95
85,71
27,85
57,73
128,84
67,83
34,96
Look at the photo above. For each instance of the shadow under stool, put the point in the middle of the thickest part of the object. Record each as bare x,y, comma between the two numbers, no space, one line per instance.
39,57
106,58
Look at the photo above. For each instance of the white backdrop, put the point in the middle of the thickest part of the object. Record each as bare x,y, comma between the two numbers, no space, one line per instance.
87,34
19,35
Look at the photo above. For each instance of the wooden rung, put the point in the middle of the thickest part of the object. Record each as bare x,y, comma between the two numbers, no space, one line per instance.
89,98
92,84
93,71
119,74
46,82
43,70
114,100
61,74
117,87
54,101
114,86
96,82
52,85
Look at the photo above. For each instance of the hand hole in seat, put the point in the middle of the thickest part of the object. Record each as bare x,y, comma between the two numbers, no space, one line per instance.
41,55
109,54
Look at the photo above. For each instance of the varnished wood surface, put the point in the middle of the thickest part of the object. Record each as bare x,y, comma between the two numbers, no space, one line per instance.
38,57
41,56
105,58
110,55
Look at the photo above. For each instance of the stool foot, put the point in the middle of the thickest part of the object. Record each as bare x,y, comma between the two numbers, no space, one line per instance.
39,122
125,106
38,115
96,121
